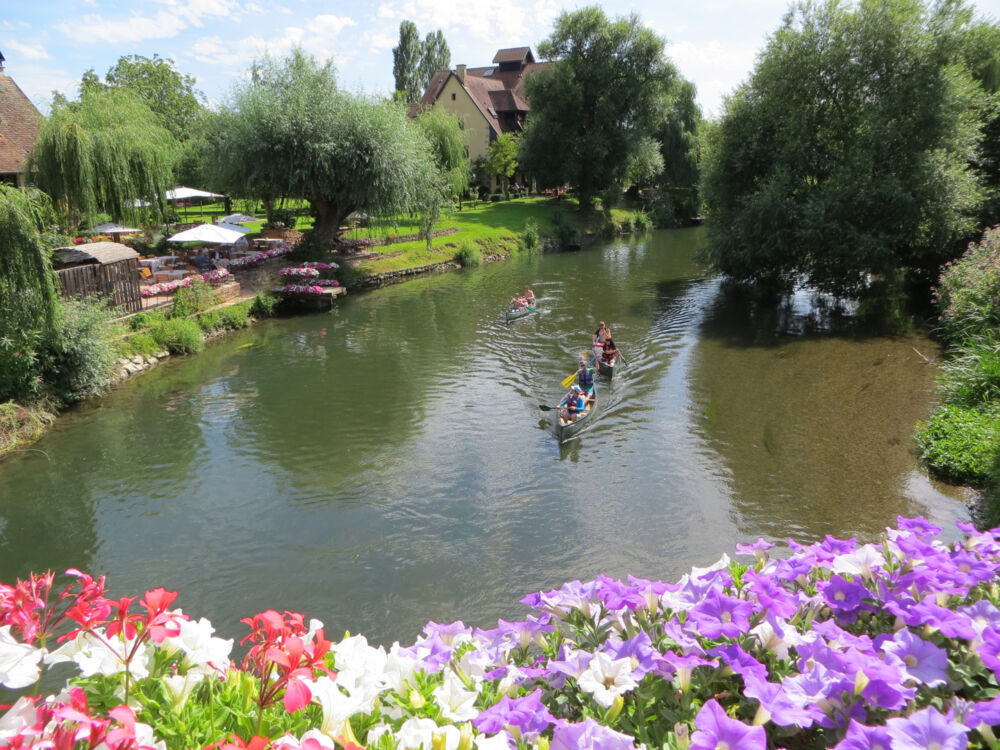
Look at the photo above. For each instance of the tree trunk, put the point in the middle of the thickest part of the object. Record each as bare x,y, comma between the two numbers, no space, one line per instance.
329,217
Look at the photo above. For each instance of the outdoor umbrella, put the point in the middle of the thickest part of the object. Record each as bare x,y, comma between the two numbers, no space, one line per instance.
237,219
185,193
208,233
233,227
112,228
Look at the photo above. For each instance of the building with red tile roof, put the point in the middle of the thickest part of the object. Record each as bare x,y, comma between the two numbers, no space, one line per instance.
490,100
19,123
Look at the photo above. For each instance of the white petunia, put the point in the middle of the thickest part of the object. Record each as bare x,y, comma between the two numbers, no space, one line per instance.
180,688
20,663
499,741
457,703
201,649
22,714
604,678
417,734
94,654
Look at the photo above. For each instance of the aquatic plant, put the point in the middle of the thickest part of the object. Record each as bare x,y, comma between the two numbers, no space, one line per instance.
831,644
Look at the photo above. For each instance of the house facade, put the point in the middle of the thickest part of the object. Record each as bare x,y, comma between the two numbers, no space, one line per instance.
489,100
19,124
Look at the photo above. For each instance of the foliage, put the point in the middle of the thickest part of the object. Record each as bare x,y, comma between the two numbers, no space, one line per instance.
141,344
230,318
263,305
530,238
595,106
468,255
678,136
76,358
847,153
960,443
968,290
831,644
642,221
104,153
434,56
20,425
450,145
289,131
194,298
501,159
27,291
169,94
406,62
178,335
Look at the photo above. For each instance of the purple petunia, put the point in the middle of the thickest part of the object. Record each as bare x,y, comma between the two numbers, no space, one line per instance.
926,728
921,660
527,714
589,735
715,728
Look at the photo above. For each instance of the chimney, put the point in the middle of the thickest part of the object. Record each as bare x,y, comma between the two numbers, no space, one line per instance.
460,73
1,62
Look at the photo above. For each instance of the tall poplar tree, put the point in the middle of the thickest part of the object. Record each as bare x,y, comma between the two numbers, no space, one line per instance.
406,57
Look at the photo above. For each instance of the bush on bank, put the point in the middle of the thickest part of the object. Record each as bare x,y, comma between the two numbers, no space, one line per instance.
961,440
835,644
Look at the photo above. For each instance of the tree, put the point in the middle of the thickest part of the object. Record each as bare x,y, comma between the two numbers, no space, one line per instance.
847,152
105,153
290,132
406,57
450,146
594,104
501,160
435,56
677,135
169,94
27,290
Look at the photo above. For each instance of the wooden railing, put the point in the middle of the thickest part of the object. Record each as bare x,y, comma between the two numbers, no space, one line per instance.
116,282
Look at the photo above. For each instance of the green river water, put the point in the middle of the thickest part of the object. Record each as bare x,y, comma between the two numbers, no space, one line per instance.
386,463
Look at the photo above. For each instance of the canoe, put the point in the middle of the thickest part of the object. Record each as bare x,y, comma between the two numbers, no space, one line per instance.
565,429
607,369
519,313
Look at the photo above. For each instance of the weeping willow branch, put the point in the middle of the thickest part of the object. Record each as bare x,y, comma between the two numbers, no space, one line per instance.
104,153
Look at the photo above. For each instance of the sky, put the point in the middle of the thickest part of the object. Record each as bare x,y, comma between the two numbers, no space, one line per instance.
49,44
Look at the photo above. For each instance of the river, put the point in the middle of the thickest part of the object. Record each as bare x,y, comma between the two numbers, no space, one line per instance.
387,463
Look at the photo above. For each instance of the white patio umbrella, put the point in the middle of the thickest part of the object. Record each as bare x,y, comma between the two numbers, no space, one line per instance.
233,227
208,233
237,219
112,228
185,193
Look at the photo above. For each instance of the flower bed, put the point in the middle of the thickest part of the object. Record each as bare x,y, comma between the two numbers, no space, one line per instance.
308,273
252,260
169,287
839,644
309,288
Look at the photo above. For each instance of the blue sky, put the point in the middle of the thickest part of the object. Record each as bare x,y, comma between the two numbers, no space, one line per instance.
50,43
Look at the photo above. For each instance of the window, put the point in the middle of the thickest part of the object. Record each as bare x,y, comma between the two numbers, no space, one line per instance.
453,96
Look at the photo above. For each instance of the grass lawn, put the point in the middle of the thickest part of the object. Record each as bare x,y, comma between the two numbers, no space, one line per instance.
493,227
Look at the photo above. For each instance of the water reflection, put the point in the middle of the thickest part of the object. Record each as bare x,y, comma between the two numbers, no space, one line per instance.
812,413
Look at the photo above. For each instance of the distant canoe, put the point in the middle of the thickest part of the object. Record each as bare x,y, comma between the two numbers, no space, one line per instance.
566,429
520,312
607,369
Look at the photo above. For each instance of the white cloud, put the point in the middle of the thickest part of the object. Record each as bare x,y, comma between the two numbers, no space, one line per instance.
38,82
330,24
27,51
124,31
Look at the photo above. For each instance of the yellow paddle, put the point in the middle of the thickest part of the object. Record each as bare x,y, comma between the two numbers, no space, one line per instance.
568,380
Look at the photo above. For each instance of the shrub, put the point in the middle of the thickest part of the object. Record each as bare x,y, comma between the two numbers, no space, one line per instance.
960,444
608,228
468,255
141,344
280,218
235,317
142,320
642,222
566,235
968,291
209,321
972,377
178,335
263,305
496,197
76,361
530,240
194,298
626,225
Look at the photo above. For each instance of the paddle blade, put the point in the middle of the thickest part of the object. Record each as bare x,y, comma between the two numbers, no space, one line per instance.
546,407
568,381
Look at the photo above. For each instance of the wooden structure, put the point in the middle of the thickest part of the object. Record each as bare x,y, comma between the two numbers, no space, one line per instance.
107,269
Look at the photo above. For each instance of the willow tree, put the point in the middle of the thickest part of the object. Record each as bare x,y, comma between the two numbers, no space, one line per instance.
27,290
288,131
104,153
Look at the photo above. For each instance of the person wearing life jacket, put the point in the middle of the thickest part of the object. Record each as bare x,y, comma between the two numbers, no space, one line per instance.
574,404
599,336
610,351
585,377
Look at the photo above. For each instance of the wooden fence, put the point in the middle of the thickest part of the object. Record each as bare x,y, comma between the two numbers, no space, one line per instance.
117,282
